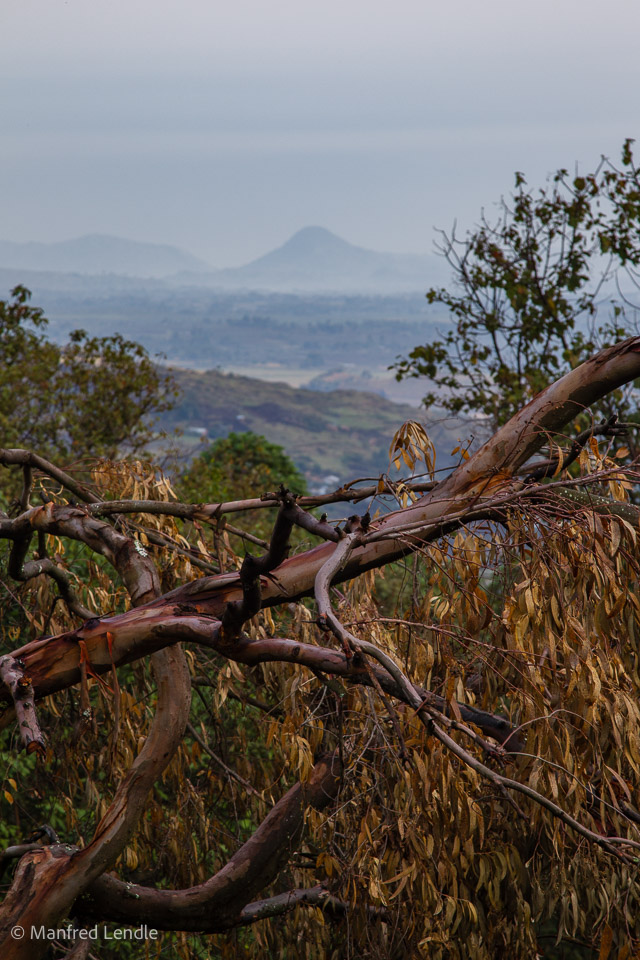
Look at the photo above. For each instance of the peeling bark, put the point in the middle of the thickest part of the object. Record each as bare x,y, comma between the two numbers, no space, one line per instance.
17,681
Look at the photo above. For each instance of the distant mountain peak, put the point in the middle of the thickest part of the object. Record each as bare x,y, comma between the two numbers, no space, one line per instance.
316,259
307,246
310,238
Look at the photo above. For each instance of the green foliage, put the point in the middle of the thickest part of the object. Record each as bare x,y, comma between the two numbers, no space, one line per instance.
527,290
94,396
240,466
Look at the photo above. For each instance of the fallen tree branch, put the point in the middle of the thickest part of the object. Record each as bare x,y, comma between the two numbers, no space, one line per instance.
48,880
217,903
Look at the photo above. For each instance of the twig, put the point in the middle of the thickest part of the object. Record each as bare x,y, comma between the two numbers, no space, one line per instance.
249,537
214,756
606,428
245,699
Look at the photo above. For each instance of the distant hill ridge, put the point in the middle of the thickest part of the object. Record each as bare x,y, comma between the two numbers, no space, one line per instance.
98,254
344,433
312,260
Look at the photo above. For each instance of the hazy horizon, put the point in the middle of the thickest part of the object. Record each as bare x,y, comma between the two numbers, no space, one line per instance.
97,236
224,131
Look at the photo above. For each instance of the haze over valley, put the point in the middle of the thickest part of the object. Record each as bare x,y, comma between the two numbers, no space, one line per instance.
317,313
312,260
315,304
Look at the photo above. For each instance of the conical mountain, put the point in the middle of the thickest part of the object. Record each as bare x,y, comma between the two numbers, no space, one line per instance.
314,259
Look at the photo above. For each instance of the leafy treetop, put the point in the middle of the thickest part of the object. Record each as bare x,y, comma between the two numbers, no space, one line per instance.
528,287
94,396
237,465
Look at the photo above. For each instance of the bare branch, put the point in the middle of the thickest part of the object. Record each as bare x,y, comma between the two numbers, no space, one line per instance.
25,458
252,569
217,904
317,896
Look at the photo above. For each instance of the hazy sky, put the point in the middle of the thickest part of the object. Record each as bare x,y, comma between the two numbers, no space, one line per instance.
223,127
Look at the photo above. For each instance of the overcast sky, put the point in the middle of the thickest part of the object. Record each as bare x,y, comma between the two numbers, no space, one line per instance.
223,127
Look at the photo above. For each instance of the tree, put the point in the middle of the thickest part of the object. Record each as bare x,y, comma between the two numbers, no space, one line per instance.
233,468
238,464
94,396
459,783
530,290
